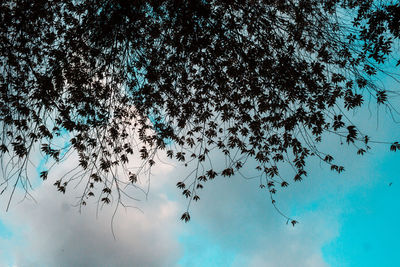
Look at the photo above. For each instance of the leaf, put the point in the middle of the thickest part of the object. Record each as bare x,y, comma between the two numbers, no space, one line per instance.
352,134
381,97
180,185
170,154
43,175
107,190
106,200
3,148
227,172
361,151
185,217
83,163
211,174
297,178
395,146
202,178
180,156
133,178
328,158
186,193
340,169
284,184
144,154
61,189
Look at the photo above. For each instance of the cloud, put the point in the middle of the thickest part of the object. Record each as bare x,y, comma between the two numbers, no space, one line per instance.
235,217
233,224
237,220
52,233
288,246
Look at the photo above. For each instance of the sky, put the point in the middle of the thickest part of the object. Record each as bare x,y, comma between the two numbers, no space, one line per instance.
347,219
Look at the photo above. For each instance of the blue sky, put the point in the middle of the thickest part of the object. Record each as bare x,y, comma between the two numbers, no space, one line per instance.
369,228
345,220
349,219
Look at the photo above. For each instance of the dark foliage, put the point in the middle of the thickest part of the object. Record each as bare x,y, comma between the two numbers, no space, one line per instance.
261,80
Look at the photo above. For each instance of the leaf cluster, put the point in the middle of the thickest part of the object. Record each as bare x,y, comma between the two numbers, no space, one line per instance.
255,80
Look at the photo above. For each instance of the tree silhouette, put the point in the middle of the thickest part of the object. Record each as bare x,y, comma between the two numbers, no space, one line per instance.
254,80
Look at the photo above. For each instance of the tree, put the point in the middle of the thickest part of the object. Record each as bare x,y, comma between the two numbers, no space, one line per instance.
257,79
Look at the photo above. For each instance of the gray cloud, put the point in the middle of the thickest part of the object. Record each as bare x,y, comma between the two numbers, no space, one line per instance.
53,233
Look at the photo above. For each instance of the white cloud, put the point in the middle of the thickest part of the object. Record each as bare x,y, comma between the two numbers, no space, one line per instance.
53,233
237,218
234,214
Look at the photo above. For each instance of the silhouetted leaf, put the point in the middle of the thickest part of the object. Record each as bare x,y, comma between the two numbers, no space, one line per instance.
361,151
284,184
185,217
43,175
106,200
180,185
255,81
